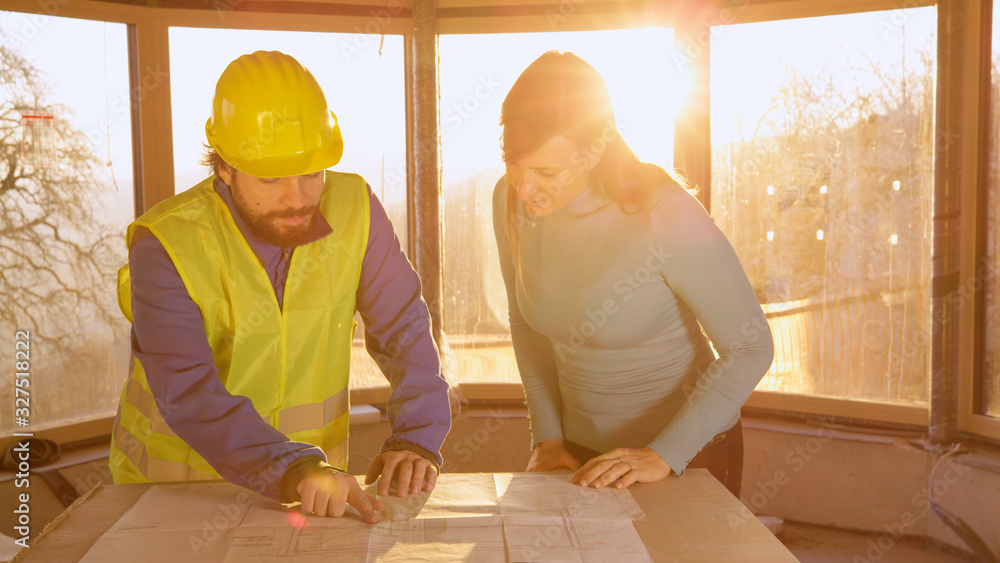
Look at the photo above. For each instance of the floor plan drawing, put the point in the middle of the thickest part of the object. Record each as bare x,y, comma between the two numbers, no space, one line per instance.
473,518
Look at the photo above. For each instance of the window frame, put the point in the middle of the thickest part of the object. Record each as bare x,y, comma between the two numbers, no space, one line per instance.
813,405
976,86
152,141
153,151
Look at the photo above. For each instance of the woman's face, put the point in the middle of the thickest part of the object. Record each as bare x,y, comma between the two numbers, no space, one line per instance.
552,176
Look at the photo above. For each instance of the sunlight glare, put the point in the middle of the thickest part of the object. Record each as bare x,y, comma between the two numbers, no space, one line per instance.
637,64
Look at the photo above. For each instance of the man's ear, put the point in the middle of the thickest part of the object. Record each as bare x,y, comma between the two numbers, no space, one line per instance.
226,172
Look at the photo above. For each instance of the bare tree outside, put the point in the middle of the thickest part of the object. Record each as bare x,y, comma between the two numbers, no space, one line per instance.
59,253
828,199
826,196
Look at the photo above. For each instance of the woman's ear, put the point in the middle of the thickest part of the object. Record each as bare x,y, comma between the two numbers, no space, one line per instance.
588,156
596,153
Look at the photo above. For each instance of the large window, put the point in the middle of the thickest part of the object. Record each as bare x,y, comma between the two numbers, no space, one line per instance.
990,391
822,140
363,87
822,177
477,71
65,199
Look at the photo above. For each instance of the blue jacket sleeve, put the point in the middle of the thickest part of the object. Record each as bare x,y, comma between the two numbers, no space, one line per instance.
397,336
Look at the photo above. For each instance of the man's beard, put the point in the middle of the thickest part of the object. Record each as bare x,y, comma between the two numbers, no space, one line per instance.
270,230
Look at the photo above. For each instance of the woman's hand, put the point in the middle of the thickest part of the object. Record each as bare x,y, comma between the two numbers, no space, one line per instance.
624,464
551,455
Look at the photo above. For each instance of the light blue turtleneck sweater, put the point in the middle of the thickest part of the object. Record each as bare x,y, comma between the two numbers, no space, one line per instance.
609,318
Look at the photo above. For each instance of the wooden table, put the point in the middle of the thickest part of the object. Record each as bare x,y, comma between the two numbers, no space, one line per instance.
692,518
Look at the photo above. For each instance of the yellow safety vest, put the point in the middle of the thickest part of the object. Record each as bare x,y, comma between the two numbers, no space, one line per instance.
291,361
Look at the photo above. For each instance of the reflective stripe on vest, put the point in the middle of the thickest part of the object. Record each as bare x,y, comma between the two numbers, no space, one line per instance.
292,361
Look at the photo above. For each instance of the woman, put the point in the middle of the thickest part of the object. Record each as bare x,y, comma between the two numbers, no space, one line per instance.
613,270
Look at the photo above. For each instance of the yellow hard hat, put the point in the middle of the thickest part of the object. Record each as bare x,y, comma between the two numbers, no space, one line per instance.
270,118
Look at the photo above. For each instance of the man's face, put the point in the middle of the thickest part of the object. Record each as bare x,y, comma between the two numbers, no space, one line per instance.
279,211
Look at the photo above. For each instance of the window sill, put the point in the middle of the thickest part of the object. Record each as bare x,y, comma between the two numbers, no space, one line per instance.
974,453
66,434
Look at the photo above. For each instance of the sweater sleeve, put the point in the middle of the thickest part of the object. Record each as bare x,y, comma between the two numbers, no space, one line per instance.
701,267
398,338
533,351
168,339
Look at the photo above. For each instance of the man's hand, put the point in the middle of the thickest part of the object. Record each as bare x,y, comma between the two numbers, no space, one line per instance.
627,465
551,455
411,471
327,493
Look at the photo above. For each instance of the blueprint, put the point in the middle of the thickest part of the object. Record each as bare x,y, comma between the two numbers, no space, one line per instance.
547,494
479,518
548,518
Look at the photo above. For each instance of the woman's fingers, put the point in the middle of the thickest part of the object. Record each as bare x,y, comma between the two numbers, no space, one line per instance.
617,471
631,477
591,472
571,462
620,464
550,456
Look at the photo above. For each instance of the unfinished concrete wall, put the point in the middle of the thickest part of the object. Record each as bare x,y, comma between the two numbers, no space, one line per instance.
829,475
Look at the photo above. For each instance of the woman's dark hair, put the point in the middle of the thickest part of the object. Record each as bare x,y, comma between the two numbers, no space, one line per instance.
561,94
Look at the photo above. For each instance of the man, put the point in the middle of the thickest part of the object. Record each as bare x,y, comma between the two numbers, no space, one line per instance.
242,292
